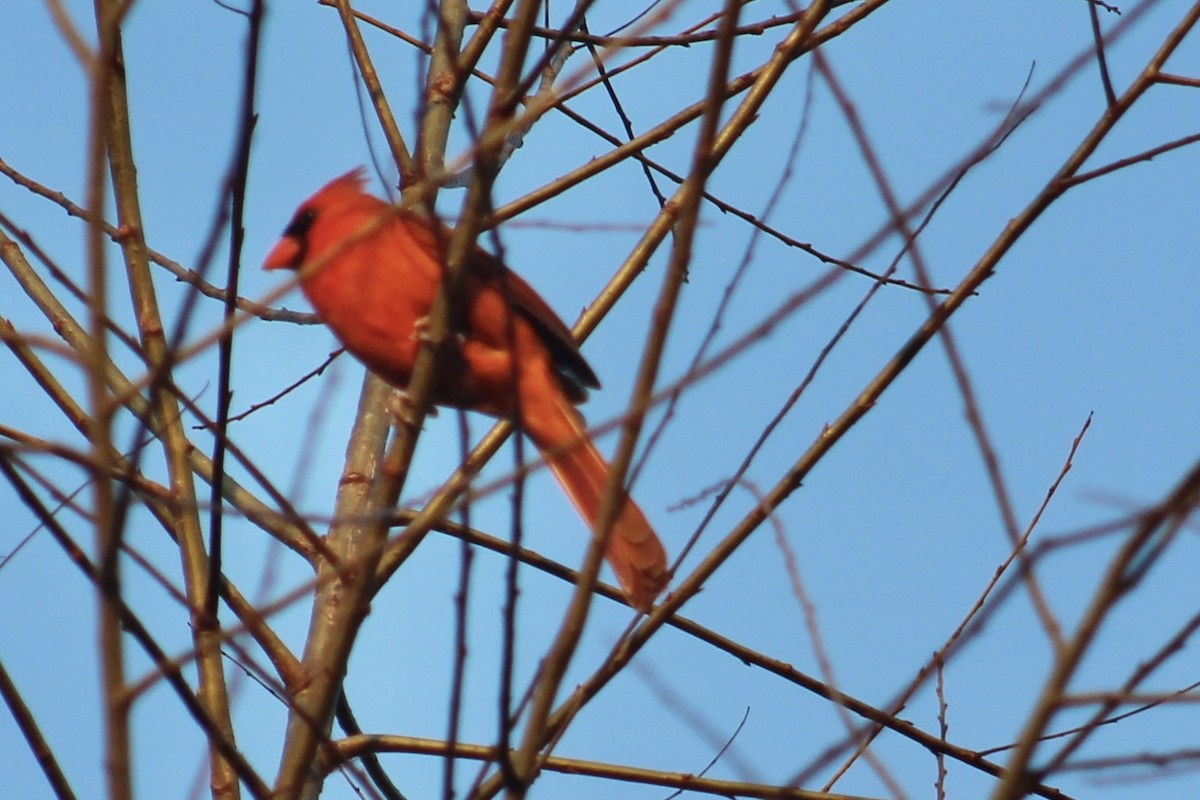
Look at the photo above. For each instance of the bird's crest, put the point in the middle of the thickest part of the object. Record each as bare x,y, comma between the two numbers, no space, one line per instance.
352,183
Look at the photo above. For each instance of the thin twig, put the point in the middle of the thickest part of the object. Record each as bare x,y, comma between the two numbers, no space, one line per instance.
1101,59
351,747
41,749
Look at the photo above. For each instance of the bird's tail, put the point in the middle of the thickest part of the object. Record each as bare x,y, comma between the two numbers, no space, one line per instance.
634,551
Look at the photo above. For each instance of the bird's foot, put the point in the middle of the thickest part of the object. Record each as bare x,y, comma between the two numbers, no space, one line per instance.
402,409
420,331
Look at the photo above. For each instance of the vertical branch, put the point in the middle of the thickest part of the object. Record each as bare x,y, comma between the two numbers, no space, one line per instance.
212,689
548,66
237,192
462,597
117,757
339,605
443,88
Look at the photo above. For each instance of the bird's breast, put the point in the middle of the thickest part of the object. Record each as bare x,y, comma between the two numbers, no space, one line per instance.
373,311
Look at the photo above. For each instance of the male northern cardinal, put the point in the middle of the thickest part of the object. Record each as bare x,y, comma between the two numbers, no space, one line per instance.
375,292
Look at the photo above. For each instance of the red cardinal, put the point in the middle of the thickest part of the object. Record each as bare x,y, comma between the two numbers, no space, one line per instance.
375,291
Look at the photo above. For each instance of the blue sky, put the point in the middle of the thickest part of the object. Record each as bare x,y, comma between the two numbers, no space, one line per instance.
896,531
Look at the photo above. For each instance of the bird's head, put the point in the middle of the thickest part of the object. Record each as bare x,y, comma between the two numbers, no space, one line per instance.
314,214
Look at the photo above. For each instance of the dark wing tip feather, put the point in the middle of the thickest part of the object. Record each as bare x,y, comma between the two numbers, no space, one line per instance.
570,365
576,374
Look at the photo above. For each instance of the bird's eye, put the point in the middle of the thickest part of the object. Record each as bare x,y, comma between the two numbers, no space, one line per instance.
300,223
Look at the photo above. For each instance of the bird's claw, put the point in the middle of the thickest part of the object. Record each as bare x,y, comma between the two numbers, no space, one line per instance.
402,409
420,331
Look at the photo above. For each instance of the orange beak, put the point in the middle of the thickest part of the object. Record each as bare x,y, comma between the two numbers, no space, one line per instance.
285,254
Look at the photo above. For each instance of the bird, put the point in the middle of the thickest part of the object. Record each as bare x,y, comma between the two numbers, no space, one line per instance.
372,272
